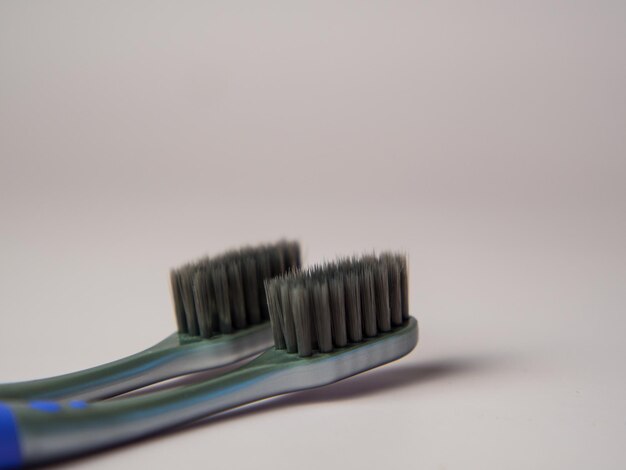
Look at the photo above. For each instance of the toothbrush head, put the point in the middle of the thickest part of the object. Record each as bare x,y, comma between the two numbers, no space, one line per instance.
222,294
334,305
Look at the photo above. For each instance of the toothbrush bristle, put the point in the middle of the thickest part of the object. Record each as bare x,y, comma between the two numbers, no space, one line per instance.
330,305
226,293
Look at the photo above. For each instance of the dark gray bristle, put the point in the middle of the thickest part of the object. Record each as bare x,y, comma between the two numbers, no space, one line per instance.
186,283
312,325
202,301
332,305
222,298
338,308
368,302
251,290
395,294
273,301
299,301
353,308
264,272
292,254
277,261
288,325
222,294
321,315
237,297
383,310
404,283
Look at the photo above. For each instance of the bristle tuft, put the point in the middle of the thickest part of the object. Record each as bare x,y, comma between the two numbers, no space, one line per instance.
226,293
334,304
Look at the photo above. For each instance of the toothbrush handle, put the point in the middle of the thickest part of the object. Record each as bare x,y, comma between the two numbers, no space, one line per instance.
102,381
37,436
174,356
38,433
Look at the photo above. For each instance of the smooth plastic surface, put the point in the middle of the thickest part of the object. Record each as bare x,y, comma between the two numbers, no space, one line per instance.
10,454
47,437
174,356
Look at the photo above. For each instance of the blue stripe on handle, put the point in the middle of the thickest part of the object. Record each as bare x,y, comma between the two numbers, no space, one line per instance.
10,455
46,406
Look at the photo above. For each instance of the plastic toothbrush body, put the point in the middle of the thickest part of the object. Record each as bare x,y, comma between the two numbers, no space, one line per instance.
38,434
176,355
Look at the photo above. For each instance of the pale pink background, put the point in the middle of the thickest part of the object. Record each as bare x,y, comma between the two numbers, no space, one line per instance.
487,139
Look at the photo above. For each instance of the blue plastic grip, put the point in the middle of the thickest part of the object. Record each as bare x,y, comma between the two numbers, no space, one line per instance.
10,455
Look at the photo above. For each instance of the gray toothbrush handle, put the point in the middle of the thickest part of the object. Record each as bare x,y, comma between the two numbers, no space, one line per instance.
174,356
42,434
31,435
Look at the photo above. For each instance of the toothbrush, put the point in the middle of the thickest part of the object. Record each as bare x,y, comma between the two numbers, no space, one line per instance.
330,322
222,317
